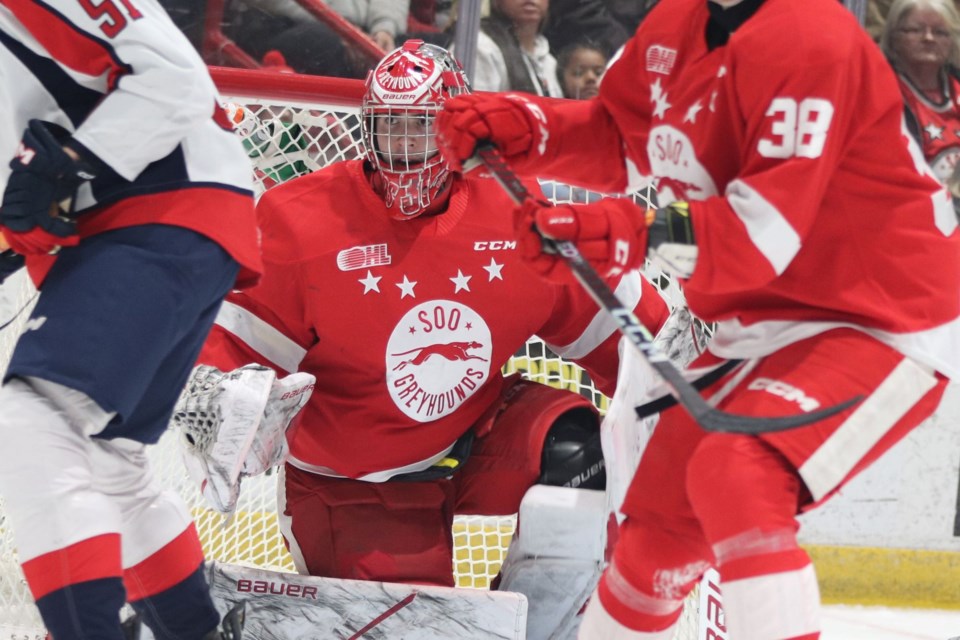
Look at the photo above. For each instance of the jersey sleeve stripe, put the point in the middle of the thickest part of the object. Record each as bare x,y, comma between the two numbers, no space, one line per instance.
260,336
767,227
603,325
68,43
75,100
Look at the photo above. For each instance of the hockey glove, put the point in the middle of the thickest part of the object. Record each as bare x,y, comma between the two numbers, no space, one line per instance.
233,425
517,126
41,190
610,234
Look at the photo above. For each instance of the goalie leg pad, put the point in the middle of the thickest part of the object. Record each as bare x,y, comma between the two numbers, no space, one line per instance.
557,557
284,606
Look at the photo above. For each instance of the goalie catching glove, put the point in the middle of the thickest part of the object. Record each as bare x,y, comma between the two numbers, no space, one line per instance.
613,234
233,425
42,188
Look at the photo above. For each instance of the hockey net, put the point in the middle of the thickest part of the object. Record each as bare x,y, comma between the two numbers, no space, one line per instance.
292,125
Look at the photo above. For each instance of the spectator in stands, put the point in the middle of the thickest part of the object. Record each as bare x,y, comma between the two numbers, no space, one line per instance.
307,44
429,20
580,67
512,52
922,41
573,20
630,12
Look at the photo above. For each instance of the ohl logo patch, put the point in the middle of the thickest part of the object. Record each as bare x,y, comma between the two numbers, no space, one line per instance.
437,357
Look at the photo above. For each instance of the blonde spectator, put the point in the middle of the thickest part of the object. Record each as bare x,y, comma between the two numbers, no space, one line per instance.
921,39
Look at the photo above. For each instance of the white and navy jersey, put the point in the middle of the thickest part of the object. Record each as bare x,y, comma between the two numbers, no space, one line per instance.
125,81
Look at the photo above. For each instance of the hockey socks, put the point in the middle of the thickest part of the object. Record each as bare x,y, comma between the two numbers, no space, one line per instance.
182,612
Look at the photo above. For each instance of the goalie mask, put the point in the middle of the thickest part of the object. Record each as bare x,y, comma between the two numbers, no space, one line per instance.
403,95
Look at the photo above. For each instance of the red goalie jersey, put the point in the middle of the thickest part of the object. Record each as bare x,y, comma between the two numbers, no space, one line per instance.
406,324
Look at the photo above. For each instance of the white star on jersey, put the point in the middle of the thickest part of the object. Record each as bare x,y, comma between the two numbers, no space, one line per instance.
935,132
659,98
494,270
370,283
406,288
461,282
692,112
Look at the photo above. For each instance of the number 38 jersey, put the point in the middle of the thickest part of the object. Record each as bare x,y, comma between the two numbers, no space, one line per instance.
405,324
812,206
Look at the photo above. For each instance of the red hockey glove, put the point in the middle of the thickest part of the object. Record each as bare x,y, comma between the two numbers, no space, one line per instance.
613,235
41,188
514,124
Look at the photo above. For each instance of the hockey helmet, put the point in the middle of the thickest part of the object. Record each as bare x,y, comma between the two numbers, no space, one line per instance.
404,92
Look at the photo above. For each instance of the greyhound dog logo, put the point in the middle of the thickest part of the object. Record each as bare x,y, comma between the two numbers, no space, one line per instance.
452,351
673,160
438,355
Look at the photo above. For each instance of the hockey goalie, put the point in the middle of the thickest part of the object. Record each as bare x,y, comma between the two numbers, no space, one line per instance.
393,295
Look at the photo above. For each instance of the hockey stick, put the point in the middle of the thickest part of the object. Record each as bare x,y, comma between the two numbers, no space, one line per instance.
709,418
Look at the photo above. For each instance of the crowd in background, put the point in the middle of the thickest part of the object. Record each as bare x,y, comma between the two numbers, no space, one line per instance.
540,46
560,48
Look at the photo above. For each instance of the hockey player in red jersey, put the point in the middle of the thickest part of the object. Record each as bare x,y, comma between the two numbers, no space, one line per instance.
130,198
807,226
396,283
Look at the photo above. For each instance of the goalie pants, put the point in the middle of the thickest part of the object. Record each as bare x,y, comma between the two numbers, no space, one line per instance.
701,499
403,531
108,347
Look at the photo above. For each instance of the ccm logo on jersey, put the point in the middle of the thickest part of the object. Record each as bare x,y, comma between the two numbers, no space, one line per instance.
785,391
494,245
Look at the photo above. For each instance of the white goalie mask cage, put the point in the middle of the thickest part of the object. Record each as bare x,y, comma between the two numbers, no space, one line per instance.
403,95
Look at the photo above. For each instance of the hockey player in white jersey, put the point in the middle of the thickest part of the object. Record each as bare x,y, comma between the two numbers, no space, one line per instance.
130,199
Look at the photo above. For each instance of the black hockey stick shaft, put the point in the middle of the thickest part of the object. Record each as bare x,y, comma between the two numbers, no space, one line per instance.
709,418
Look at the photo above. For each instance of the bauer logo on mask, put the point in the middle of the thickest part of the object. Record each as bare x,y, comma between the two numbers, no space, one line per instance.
405,77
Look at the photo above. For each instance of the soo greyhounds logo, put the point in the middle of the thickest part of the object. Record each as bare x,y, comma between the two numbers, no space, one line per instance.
437,357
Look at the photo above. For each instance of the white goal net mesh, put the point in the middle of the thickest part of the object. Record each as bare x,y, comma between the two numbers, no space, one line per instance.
292,127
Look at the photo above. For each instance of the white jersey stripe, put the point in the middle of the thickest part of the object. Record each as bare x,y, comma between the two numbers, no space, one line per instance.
768,228
261,337
876,415
603,324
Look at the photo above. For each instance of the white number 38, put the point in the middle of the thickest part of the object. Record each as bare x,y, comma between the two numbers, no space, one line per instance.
798,129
